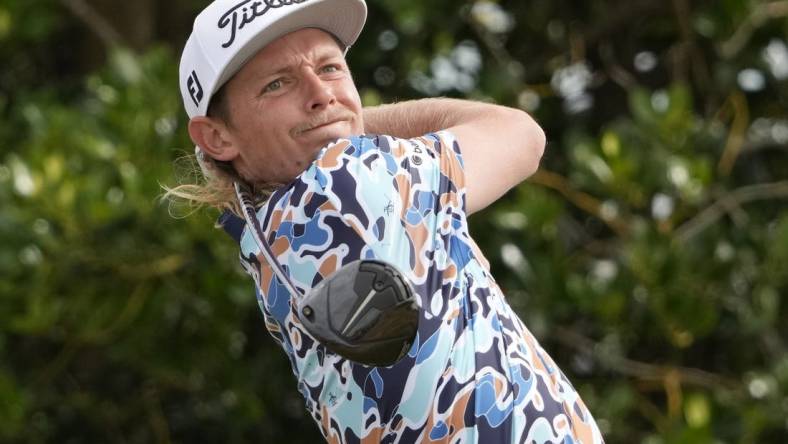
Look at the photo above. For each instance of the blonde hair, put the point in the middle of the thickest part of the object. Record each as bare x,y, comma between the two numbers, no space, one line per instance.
205,182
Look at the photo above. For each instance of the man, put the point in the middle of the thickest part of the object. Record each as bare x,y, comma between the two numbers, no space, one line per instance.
273,105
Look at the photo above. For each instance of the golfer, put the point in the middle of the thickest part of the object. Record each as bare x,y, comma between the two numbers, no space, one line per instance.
272,105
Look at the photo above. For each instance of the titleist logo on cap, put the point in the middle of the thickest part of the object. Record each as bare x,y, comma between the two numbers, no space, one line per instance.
244,13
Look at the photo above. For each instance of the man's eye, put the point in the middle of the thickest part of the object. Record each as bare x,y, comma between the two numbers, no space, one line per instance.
330,68
273,86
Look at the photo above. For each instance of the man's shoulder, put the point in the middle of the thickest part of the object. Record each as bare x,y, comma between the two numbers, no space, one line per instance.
358,145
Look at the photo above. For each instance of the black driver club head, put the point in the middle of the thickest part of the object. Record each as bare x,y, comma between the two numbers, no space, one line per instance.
365,312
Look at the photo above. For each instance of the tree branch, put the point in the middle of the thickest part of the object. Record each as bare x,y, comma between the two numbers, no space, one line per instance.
641,370
725,204
737,136
100,26
759,15
580,199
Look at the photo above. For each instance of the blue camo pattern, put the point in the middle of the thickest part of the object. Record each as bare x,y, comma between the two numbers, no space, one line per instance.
475,374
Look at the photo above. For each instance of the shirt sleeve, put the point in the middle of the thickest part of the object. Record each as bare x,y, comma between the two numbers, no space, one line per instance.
392,199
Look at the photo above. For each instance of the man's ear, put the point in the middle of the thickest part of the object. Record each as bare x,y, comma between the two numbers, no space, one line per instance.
213,137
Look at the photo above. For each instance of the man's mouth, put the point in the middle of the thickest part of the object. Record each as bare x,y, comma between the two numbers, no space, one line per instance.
324,125
320,123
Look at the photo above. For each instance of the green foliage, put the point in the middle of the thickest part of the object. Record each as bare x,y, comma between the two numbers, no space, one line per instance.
648,254
118,316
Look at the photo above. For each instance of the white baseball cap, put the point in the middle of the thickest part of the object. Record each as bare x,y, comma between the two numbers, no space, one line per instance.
227,33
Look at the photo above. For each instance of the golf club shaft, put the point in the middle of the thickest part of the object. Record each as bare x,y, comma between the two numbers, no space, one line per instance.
244,196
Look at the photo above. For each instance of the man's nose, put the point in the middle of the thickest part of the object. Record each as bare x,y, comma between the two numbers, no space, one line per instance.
320,94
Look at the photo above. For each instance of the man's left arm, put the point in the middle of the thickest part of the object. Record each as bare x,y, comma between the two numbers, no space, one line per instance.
501,146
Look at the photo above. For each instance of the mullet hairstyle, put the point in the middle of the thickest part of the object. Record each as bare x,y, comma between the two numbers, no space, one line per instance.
206,182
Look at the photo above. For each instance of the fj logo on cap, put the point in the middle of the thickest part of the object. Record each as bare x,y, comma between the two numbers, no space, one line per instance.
244,13
195,89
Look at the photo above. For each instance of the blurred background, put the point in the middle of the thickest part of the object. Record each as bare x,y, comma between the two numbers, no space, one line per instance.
649,255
